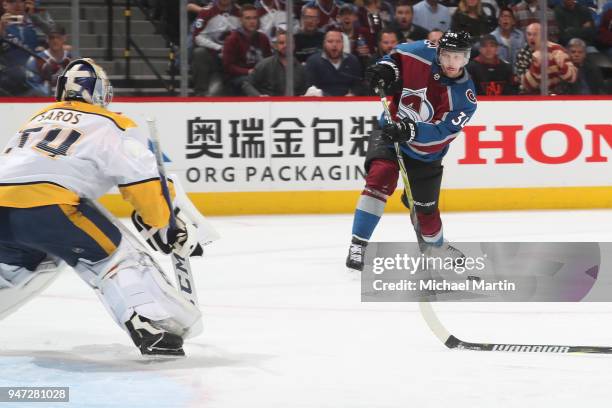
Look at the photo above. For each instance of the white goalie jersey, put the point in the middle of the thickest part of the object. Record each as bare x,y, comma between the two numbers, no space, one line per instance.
73,149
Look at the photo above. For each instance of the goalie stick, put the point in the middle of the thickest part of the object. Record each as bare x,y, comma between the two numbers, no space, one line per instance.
181,266
429,314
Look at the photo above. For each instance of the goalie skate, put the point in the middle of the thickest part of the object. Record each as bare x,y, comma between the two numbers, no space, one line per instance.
152,341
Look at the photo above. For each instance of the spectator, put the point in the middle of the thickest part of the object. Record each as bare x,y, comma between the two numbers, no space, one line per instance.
604,35
273,16
587,3
574,20
19,39
387,40
403,25
42,71
528,12
589,79
194,7
268,77
491,75
357,40
308,40
434,36
328,11
212,25
429,14
561,70
244,48
17,27
470,18
374,15
333,72
510,39
490,9
41,19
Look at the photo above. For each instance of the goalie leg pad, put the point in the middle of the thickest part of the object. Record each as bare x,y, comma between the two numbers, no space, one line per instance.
129,282
18,285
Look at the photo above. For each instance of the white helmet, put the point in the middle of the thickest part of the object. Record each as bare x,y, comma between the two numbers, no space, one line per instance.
83,80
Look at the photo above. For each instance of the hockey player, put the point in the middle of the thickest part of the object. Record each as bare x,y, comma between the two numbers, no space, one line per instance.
66,155
433,99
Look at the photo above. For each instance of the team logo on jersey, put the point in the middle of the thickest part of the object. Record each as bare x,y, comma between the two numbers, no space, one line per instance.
414,104
470,95
437,77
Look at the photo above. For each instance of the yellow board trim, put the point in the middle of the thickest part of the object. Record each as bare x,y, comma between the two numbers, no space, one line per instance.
85,224
335,202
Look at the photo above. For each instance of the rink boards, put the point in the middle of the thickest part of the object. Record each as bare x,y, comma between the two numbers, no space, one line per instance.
305,155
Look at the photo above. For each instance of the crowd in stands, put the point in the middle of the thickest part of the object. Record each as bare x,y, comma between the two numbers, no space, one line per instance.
239,47
335,41
33,49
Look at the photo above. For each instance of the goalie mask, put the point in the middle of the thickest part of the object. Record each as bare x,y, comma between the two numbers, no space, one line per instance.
83,80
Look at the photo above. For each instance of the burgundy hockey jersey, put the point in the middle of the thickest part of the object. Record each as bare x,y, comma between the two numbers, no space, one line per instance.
212,25
441,106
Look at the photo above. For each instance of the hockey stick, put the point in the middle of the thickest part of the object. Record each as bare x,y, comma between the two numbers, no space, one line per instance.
398,152
181,266
453,342
429,314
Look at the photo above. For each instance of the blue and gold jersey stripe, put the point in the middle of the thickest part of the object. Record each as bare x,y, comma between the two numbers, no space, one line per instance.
35,194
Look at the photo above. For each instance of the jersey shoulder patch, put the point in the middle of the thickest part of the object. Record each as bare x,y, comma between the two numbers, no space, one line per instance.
470,96
464,96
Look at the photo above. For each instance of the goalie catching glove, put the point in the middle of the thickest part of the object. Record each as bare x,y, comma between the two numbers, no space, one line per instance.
182,241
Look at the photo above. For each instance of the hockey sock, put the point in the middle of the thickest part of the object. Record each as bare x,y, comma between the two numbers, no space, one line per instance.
431,227
370,208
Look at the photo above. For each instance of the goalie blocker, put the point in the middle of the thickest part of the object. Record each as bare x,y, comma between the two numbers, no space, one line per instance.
193,231
180,241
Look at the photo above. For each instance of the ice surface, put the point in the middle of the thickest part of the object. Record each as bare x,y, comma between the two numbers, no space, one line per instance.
284,327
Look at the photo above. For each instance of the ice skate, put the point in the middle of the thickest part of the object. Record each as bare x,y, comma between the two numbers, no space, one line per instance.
356,255
445,250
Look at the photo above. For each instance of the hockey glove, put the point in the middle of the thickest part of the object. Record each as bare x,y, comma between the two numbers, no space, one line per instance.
403,131
382,74
181,241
